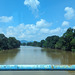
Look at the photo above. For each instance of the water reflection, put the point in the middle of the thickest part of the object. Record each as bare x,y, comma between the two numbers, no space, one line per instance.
62,56
8,55
36,55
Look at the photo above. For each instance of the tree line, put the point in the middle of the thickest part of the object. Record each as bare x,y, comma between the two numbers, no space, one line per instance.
65,42
8,43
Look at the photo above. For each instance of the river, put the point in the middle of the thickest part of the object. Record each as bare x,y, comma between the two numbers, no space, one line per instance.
36,55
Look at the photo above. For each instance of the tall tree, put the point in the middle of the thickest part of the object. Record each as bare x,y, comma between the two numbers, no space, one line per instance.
51,41
8,43
68,36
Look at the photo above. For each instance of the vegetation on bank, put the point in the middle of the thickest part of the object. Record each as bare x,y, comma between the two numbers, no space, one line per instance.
65,42
8,43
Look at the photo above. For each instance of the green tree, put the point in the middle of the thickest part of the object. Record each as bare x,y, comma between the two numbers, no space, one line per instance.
13,43
8,43
3,41
60,44
42,43
29,44
73,43
68,36
23,44
51,41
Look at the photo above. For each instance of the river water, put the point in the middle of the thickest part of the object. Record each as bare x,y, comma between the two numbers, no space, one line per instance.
36,55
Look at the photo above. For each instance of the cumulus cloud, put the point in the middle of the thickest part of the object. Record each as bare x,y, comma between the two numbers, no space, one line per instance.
6,19
44,30
70,13
21,31
43,23
57,30
31,35
33,32
29,31
50,31
65,23
33,4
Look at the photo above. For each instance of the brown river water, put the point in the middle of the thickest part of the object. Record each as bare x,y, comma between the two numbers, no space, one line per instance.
36,55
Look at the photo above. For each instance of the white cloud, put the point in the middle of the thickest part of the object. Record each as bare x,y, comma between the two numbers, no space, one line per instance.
49,32
57,30
70,13
28,31
33,4
43,23
44,30
33,32
65,23
6,19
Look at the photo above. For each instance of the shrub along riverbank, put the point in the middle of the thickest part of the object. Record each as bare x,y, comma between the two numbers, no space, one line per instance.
65,42
8,43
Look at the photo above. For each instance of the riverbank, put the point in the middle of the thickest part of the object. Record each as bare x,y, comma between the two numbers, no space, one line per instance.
65,42
8,43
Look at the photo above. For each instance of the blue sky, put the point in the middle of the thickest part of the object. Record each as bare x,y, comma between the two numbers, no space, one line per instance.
36,19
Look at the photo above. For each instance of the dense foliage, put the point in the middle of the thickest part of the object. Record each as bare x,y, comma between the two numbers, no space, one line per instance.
23,44
8,43
65,42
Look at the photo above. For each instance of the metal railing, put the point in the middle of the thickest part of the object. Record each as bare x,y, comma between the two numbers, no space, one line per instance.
37,67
